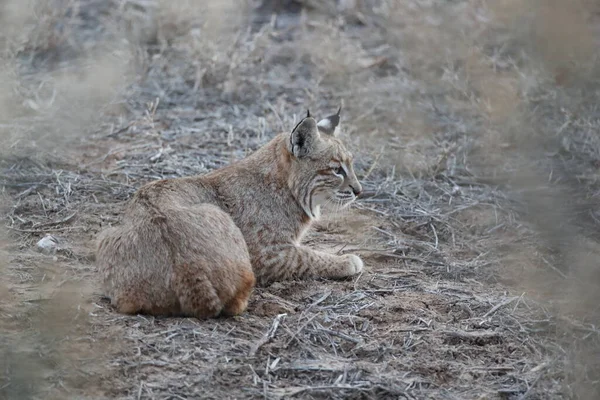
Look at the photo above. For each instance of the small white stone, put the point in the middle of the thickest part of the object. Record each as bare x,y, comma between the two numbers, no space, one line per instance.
48,244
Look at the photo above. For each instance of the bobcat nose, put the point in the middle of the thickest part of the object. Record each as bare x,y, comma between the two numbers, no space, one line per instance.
356,189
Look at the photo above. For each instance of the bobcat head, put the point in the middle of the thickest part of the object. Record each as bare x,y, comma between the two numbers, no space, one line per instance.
321,171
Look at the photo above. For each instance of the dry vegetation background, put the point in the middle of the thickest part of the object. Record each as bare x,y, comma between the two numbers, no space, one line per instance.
475,125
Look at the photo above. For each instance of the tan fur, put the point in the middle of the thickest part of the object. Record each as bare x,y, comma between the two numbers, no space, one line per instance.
192,246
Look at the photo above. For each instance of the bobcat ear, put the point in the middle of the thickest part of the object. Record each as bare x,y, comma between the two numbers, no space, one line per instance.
330,125
303,137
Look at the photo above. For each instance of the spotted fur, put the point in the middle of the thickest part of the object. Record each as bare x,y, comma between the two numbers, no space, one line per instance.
195,246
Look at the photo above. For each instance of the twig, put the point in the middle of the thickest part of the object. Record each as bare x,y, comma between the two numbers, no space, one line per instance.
498,306
64,228
294,335
318,301
408,258
473,337
543,367
292,391
282,125
373,165
434,234
553,268
340,335
267,336
60,221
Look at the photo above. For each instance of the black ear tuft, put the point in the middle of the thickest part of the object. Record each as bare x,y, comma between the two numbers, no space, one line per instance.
307,113
303,137
339,111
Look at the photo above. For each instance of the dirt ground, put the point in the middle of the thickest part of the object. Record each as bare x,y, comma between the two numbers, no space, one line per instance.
474,126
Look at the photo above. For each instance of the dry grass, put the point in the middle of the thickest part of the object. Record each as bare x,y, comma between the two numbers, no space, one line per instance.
476,142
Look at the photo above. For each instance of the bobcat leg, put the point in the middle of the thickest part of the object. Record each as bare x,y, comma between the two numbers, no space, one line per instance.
197,295
239,302
288,261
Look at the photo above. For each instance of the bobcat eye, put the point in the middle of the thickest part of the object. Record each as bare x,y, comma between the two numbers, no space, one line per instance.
339,171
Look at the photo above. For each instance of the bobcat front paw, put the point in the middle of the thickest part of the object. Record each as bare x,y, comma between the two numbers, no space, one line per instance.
354,264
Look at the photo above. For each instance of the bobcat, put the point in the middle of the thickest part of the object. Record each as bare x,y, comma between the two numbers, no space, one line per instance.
194,246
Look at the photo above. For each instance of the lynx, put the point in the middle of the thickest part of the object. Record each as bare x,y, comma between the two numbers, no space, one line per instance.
196,246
